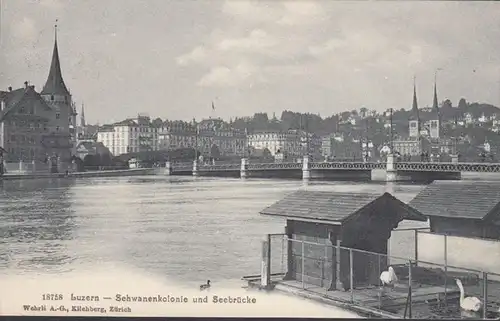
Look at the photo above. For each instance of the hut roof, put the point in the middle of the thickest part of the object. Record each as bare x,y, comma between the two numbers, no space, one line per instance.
477,200
333,206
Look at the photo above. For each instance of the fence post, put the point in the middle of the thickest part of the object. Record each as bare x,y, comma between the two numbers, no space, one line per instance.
303,264
351,275
325,261
338,283
485,294
416,247
445,268
265,279
409,290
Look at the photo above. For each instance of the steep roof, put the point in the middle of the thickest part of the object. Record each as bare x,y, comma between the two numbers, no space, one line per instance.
414,114
459,199
14,97
55,83
332,206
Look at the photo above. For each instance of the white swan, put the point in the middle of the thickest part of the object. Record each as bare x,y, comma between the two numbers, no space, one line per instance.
470,303
389,277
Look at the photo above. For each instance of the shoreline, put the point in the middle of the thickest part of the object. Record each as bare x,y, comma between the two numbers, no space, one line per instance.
103,173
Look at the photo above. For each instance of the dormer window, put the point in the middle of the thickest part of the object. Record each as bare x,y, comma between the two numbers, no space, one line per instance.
52,97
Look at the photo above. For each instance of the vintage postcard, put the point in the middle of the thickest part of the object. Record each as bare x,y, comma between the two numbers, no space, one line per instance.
330,159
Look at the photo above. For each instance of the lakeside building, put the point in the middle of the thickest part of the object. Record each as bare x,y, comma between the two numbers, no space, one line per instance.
292,143
211,137
217,137
131,135
39,126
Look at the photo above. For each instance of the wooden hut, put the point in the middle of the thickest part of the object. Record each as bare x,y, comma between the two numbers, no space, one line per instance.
329,222
461,208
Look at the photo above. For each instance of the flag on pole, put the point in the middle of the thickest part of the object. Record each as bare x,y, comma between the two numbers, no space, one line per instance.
213,107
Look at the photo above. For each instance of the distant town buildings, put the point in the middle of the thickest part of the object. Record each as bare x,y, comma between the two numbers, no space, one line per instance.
287,144
131,135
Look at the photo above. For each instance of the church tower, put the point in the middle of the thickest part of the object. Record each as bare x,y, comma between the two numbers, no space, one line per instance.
435,124
58,97
414,119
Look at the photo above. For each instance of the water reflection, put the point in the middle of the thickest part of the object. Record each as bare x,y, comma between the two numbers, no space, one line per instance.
37,220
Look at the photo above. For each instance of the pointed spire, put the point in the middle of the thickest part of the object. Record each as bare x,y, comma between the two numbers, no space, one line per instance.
82,117
414,108
435,107
55,83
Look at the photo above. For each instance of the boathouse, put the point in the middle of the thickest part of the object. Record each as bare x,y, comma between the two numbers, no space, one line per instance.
332,221
461,208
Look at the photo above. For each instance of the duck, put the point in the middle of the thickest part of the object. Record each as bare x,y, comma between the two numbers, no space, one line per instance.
470,303
205,286
389,278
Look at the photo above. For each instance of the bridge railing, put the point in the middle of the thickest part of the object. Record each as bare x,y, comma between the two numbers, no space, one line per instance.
219,167
272,166
450,167
347,165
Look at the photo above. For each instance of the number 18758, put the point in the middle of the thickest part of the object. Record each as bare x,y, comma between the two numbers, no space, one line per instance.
52,297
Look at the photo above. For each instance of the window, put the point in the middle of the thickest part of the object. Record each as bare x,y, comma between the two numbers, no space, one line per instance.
57,128
58,115
52,97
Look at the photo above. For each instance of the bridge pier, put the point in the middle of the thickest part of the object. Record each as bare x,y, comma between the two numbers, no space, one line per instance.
244,167
306,171
195,167
168,168
417,172
391,175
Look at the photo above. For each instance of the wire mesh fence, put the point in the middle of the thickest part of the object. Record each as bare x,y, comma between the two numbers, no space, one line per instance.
404,287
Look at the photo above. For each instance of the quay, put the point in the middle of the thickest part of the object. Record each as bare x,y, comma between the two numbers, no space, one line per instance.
103,173
395,171
336,245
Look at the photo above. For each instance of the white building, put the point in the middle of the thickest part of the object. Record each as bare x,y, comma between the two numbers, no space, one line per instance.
291,143
129,136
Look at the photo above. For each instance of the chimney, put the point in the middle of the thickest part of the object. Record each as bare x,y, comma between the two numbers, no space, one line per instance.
26,84
10,88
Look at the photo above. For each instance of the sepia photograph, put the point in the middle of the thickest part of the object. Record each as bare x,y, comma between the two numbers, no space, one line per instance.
245,158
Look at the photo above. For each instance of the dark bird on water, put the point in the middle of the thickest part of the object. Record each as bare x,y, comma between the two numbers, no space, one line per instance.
205,286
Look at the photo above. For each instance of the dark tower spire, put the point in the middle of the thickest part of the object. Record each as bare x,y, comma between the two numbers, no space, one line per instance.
414,108
435,107
82,117
55,83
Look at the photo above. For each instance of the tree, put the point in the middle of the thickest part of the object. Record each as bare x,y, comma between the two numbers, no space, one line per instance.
215,152
462,104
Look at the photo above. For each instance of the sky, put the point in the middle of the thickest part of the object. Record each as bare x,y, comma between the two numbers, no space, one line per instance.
171,59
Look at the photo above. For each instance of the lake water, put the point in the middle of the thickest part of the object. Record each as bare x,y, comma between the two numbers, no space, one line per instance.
147,236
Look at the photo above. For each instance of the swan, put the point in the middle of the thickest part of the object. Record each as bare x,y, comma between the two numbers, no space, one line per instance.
470,303
205,286
389,277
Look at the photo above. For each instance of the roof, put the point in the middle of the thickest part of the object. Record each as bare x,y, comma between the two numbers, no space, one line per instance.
14,97
55,83
459,199
332,206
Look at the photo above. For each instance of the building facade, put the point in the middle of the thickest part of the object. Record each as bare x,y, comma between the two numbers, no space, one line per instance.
177,134
293,143
133,135
39,126
211,137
